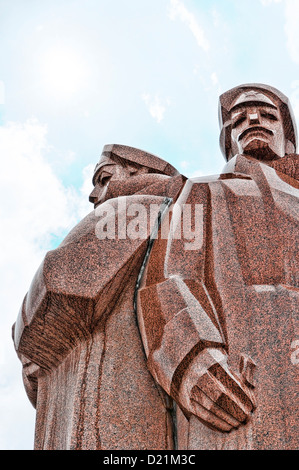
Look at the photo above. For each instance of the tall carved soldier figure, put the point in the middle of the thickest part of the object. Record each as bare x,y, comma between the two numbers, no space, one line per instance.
175,341
219,322
84,367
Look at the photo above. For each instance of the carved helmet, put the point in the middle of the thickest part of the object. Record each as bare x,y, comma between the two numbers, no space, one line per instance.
232,97
133,156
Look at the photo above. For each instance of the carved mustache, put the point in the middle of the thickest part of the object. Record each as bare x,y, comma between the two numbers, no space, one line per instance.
256,128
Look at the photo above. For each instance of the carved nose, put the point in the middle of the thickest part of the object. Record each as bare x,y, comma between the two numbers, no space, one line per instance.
254,118
93,197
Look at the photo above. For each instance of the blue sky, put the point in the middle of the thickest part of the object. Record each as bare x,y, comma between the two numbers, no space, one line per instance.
78,74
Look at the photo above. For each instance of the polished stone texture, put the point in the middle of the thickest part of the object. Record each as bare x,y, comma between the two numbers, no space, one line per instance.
167,341
235,294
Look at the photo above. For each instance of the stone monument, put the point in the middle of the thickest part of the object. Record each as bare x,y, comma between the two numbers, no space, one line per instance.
168,317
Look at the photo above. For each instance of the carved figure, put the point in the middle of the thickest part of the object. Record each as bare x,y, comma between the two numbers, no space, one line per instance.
84,367
228,310
175,328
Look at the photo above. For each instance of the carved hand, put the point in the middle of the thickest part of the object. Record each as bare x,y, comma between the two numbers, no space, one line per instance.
216,395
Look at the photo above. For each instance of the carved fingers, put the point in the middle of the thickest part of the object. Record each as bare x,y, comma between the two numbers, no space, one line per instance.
214,394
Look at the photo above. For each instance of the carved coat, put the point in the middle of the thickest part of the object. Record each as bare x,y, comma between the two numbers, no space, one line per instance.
77,335
237,289
84,366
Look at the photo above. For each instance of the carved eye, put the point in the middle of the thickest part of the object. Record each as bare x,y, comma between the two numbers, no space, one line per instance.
270,116
238,122
104,178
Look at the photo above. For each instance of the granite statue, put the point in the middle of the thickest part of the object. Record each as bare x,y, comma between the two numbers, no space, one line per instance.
167,318
77,336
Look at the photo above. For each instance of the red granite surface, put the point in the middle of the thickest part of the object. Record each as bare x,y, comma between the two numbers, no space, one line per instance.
175,342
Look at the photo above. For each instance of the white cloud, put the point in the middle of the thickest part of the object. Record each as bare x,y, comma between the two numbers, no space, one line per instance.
2,92
291,12
294,98
64,71
291,28
214,78
215,82
35,200
155,106
184,164
84,206
268,2
195,174
34,206
178,10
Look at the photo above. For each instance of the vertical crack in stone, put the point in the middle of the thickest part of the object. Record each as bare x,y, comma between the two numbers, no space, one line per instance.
80,428
98,404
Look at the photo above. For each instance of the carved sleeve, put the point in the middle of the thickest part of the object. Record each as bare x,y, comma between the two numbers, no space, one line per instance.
176,313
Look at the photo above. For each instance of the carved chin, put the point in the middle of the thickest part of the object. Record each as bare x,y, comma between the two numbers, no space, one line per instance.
260,149
255,143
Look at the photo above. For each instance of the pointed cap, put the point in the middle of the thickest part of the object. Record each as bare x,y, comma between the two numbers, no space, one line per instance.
134,155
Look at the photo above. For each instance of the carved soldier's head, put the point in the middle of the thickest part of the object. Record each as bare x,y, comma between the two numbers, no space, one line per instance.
256,120
124,170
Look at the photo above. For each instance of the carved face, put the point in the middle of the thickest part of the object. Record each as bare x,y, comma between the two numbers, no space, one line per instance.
111,172
257,130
